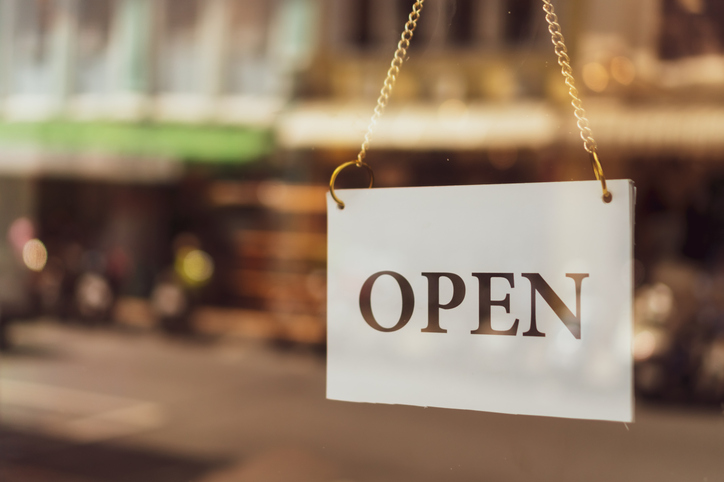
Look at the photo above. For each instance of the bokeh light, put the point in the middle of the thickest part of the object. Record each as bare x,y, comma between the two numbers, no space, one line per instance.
194,266
695,7
659,302
35,255
644,345
20,232
452,108
623,70
595,76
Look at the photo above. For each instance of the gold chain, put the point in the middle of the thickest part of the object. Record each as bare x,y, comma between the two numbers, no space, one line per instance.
392,73
589,143
383,99
565,62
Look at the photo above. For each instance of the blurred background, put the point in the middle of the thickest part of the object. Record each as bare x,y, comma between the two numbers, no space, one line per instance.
163,171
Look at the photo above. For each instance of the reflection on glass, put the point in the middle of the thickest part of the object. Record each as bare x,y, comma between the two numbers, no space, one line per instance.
93,39
32,46
249,71
179,59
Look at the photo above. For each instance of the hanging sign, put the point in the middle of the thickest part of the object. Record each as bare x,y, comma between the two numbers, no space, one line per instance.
504,298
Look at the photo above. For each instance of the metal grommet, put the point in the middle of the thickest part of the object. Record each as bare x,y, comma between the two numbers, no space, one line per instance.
339,169
598,171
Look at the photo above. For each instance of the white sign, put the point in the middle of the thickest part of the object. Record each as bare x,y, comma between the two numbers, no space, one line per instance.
505,298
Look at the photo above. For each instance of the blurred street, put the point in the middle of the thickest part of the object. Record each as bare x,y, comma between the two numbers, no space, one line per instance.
120,404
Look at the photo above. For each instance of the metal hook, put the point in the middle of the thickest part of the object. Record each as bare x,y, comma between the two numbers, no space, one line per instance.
598,171
340,203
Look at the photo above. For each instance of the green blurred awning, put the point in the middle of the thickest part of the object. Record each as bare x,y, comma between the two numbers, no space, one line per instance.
184,142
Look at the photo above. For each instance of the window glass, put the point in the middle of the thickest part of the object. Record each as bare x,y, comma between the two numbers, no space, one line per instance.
93,40
690,28
179,60
361,33
248,68
519,21
462,23
32,71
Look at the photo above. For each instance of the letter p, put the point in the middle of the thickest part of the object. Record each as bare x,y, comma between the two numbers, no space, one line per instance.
433,299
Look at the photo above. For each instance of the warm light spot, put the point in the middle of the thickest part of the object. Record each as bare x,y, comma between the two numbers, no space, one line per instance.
623,70
595,77
168,299
293,198
660,301
644,345
35,255
196,266
93,294
692,6
500,83
452,108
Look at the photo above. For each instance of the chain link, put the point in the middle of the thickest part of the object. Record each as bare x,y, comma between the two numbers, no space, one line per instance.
565,62
582,122
392,73
400,56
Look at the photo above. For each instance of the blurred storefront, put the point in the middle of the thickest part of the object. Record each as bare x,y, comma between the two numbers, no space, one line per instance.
120,117
146,130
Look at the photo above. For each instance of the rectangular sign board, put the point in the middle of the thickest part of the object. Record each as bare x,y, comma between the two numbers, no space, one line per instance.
504,298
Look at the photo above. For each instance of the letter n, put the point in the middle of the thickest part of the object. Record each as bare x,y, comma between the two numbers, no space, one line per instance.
538,285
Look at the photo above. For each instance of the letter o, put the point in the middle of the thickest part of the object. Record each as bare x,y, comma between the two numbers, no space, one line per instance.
408,301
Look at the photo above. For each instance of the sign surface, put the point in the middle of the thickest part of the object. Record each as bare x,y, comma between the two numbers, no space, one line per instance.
504,298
